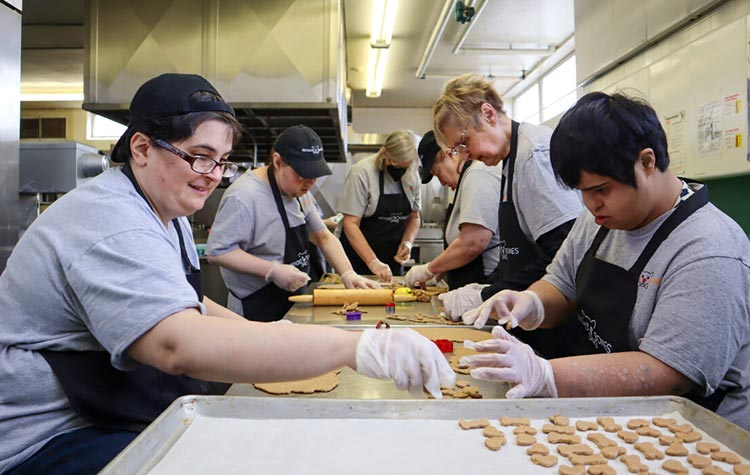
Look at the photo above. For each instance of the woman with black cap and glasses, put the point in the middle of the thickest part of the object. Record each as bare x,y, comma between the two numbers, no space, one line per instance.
261,270
104,322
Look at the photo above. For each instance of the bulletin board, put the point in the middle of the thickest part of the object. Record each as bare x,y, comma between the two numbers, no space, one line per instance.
701,92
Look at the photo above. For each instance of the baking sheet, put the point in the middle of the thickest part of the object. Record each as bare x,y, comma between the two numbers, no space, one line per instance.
280,435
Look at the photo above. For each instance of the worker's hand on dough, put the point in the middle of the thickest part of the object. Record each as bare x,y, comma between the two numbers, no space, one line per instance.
404,252
381,270
522,309
352,280
418,274
411,360
461,300
287,277
511,361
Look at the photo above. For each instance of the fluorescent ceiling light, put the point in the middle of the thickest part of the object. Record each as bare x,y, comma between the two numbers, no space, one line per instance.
383,18
376,71
42,96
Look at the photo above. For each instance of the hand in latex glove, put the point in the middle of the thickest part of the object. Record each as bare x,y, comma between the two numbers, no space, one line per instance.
419,274
380,270
287,277
353,281
461,300
411,360
404,252
509,360
522,309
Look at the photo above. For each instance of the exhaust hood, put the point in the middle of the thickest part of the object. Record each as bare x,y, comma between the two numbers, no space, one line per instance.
278,63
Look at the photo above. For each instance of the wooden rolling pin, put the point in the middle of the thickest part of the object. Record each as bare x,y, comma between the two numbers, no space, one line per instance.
342,296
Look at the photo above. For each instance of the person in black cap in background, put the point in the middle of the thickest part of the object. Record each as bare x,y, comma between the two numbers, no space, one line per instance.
381,203
103,321
262,227
472,246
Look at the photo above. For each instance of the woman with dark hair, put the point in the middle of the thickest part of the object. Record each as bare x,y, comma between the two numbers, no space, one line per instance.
104,321
261,270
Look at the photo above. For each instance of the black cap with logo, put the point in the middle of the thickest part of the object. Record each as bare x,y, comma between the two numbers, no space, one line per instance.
302,149
428,150
167,95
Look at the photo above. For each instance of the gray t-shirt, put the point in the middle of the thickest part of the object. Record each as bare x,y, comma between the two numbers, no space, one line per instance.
476,202
95,271
693,313
248,219
541,202
362,188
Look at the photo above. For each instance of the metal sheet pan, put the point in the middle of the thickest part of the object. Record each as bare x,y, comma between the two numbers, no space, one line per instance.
146,451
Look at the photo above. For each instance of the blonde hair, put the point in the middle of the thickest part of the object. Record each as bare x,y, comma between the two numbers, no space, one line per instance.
461,101
399,147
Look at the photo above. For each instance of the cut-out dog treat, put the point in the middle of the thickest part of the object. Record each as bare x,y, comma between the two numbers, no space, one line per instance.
492,431
613,451
601,440
514,421
676,449
567,450
648,432
540,449
467,424
663,422
608,424
525,440
673,466
544,460
549,428
559,420
636,423
742,469
689,437
601,469
462,384
649,451
698,461
524,430
595,459
634,464
575,470
555,438
668,440
727,457
628,436
714,470
584,426
494,443
677,428
706,448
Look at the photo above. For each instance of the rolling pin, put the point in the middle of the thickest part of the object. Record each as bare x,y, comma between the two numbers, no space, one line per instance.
342,296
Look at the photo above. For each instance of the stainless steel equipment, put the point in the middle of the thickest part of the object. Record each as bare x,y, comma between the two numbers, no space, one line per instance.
58,167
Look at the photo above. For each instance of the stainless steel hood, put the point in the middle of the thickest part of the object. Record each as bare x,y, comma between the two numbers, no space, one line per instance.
278,63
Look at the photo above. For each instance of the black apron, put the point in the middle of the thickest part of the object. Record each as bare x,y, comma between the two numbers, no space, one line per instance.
472,271
606,294
517,251
125,400
383,231
270,303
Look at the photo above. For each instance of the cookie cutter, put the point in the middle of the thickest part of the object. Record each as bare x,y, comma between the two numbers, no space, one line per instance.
382,325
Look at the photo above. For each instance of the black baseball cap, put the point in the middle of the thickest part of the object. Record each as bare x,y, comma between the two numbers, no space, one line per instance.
428,150
302,149
167,95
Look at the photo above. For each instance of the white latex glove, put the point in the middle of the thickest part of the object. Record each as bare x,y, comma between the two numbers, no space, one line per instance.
411,360
418,274
404,252
353,281
524,309
512,361
380,269
287,277
461,300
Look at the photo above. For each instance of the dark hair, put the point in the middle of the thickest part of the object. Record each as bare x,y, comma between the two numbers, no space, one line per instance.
604,135
179,127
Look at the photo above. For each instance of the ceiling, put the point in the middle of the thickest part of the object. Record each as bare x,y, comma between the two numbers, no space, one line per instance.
502,41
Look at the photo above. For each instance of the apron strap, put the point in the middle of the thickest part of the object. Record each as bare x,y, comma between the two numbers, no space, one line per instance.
511,161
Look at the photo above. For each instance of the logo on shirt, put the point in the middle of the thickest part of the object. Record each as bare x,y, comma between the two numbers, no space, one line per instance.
302,261
507,251
589,325
393,218
647,278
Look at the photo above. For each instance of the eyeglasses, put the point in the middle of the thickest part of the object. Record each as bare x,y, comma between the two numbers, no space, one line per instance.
199,163
461,146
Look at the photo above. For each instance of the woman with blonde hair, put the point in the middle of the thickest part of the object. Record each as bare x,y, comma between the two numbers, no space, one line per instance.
381,203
